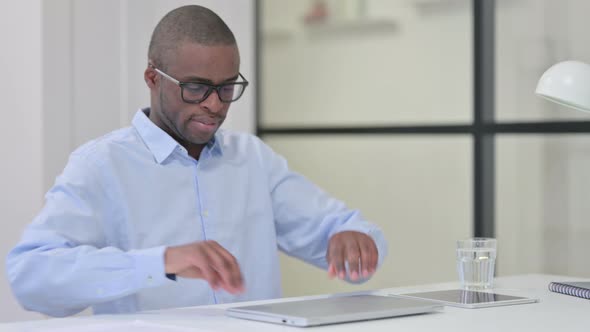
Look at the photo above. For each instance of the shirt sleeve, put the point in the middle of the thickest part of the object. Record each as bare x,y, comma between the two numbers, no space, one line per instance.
307,217
63,263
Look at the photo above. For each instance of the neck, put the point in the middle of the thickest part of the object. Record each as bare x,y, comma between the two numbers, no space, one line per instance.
194,150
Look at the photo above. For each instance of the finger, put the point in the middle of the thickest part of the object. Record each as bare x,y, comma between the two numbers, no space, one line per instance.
331,271
231,266
217,263
374,255
218,280
228,268
201,260
353,257
369,256
336,256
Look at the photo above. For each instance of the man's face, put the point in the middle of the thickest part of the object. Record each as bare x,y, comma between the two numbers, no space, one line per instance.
194,123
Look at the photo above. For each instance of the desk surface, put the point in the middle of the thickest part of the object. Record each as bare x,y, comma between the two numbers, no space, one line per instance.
555,312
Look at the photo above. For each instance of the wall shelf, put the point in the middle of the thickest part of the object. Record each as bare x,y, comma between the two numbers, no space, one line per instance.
351,26
332,28
439,6
276,35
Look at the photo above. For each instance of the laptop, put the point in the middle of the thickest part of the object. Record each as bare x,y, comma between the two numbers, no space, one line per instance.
333,310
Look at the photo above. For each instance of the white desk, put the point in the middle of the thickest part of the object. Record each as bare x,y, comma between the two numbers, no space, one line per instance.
555,312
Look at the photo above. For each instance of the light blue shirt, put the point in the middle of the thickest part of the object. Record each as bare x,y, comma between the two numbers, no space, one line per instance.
123,198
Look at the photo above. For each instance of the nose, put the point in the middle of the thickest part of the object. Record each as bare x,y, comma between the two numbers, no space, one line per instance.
212,103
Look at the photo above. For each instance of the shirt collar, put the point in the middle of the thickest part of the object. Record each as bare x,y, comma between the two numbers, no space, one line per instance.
159,142
214,145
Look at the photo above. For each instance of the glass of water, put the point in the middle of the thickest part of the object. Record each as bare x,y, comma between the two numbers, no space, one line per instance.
476,258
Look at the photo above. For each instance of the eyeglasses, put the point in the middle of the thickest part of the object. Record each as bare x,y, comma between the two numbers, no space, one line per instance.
196,92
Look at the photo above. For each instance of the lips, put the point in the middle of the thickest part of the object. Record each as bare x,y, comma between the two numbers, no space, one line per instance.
207,122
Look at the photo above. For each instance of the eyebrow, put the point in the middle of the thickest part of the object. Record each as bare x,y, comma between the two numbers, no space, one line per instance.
197,79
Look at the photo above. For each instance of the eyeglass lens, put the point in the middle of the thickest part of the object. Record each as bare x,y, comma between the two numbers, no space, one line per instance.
194,92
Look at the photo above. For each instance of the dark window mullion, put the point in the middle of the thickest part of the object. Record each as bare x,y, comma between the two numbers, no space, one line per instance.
483,114
482,129
257,67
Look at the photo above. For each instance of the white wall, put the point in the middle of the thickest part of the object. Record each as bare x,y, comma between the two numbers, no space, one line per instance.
20,145
67,78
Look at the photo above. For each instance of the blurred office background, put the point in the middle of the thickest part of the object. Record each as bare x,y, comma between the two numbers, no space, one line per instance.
377,101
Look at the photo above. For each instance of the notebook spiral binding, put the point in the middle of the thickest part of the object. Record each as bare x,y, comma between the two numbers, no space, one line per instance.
569,290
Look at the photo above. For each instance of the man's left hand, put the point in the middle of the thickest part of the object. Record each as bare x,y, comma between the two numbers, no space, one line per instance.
355,249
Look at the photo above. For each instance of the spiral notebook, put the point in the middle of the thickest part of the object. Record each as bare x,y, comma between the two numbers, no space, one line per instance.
573,288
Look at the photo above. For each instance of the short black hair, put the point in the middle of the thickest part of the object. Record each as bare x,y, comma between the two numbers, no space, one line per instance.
191,23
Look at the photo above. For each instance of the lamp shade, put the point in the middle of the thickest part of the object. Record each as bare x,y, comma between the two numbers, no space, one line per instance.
567,83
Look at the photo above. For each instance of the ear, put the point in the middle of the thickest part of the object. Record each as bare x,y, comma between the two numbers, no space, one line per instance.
149,76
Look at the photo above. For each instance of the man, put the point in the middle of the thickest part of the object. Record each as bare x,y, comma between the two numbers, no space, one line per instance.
172,212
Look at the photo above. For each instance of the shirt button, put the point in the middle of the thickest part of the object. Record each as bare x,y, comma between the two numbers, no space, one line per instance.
100,291
150,279
205,213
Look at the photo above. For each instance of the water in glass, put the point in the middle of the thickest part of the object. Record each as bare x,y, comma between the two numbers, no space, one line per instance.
476,267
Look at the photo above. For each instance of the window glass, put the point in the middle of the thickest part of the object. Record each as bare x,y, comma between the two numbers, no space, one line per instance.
365,62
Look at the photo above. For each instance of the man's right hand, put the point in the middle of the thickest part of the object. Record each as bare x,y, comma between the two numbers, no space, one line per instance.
205,260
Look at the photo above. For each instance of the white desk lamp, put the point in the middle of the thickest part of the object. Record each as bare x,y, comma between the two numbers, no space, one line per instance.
567,83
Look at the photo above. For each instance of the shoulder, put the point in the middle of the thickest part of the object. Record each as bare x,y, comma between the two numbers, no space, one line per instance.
100,150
